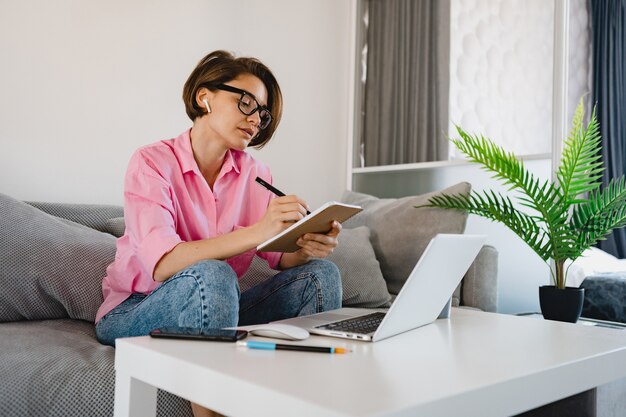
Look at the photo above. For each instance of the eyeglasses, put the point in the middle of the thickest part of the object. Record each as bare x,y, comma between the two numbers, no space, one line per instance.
248,104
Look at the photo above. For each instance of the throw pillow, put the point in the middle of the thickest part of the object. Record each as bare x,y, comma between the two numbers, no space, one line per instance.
401,232
115,226
362,281
361,278
49,267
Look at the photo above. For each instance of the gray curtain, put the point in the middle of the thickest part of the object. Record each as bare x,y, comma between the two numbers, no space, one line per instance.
406,90
609,94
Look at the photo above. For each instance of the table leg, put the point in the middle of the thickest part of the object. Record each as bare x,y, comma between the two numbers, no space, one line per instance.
133,398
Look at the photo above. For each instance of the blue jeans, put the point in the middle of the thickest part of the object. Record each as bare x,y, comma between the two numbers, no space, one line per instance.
206,295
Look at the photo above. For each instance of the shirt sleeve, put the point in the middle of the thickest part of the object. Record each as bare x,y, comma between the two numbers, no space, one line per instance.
149,213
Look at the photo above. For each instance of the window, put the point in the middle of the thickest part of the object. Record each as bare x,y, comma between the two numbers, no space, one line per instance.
486,66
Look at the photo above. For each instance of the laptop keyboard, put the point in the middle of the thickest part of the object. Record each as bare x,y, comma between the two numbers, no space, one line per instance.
362,324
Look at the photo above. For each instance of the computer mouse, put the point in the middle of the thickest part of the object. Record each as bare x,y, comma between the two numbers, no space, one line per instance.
278,331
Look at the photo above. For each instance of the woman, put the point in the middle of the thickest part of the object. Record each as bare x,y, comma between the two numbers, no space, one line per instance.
194,216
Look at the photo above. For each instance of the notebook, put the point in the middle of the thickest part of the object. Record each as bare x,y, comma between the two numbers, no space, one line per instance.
317,222
420,301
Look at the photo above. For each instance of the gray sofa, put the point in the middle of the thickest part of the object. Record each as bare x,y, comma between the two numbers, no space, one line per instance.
53,258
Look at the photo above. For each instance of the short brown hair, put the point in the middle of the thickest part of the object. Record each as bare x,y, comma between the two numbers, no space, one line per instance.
219,67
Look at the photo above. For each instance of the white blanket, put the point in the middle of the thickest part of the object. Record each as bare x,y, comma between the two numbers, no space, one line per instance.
593,261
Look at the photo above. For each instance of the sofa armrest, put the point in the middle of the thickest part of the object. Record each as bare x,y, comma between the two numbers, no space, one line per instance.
479,288
95,216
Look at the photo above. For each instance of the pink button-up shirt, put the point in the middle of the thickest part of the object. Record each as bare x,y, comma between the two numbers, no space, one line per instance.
168,201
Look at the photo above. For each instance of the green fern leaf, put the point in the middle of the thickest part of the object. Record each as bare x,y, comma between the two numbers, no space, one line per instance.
505,167
498,208
604,211
581,167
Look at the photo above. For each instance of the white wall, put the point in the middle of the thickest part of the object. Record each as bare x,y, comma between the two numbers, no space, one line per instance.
84,83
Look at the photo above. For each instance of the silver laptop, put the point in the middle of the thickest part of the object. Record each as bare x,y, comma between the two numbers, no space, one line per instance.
420,301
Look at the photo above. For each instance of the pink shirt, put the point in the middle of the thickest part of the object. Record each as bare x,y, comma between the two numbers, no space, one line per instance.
168,201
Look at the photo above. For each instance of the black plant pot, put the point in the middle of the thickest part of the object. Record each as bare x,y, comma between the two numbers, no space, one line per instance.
561,304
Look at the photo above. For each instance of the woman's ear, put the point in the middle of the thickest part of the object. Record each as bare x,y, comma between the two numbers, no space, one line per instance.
202,99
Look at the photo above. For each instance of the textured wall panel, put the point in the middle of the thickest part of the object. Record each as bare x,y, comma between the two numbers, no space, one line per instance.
579,77
501,69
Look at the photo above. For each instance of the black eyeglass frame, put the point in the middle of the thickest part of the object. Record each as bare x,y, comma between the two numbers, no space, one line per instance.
230,88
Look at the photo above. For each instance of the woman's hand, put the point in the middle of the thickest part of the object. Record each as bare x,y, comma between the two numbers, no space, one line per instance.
281,213
315,245
312,245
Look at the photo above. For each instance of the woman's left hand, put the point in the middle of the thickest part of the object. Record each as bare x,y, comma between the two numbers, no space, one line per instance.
314,245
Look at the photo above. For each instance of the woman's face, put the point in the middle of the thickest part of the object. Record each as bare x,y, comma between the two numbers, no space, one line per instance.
226,121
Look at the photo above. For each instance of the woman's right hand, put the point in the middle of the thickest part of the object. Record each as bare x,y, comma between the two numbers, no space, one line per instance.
281,213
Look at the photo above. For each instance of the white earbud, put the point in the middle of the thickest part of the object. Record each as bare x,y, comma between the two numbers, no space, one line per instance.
206,104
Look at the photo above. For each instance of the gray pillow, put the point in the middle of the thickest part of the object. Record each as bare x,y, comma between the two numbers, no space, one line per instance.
401,232
115,226
362,281
49,267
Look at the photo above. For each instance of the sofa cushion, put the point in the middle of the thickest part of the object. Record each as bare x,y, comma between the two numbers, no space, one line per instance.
401,232
57,368
49,267
362,281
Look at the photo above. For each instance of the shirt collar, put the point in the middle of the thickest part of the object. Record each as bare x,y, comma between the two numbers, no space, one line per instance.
182,146
230,162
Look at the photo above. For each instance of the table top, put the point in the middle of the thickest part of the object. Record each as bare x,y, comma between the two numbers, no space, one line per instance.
485,364
585,321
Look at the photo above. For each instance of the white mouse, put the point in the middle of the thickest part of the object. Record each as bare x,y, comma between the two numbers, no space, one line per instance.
278,331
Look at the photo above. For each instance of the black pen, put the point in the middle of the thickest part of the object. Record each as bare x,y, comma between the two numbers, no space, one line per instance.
273,189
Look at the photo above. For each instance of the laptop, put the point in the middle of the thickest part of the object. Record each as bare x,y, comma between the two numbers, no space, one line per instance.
420,301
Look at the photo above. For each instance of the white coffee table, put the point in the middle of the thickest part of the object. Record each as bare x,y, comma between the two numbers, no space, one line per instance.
474,364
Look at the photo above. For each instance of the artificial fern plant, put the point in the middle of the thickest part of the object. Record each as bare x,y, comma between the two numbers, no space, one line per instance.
566,216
